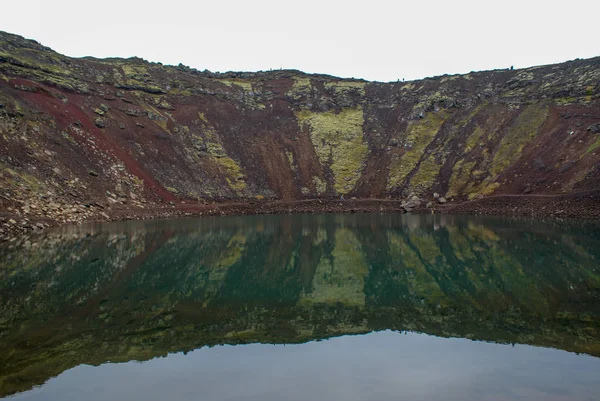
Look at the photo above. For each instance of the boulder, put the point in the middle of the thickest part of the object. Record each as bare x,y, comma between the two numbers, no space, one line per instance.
99,122
594,128
413,202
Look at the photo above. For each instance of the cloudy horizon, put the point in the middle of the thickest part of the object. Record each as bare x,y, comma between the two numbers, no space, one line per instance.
378,41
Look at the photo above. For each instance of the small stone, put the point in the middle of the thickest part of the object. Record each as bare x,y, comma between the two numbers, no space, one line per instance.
441,199
12,222
594,128
100,123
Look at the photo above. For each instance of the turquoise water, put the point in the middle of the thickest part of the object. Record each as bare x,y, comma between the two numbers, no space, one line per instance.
380,307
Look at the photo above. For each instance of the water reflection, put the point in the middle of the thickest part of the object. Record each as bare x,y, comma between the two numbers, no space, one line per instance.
137,290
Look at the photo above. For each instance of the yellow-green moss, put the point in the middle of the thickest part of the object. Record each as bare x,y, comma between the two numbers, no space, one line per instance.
565,101
320,185
593,146
290,157
233,172
301,83
474,138
242,83
338,142
418,135
203,118
481,189
461,172
425,176
521,132
36,59
346,86
14,178
134,71
162,122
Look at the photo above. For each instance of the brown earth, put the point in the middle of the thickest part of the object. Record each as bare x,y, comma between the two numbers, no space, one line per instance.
91,139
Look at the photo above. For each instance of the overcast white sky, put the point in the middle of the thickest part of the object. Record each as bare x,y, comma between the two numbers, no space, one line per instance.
371,39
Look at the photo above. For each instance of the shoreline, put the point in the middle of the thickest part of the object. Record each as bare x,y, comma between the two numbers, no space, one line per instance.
579,206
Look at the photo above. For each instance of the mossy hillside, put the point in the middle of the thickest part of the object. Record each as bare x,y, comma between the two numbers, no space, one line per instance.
345,87
474,139
68,82
205,146
301,87
593,147
339,143
520,133
232,171
132,74
461,174
244,84
426,174
320,185
157,117
19,180
418,136
35,59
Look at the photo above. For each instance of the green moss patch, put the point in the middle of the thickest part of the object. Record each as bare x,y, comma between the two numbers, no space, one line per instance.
521,132
339,143
418,136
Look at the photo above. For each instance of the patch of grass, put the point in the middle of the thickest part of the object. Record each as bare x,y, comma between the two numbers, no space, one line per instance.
425,176
461,173
474,138
418,136
593,146
521,132
244,84
320,185
339,143
346,86
290,157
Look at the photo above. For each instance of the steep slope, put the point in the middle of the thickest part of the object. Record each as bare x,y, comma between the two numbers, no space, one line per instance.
81,137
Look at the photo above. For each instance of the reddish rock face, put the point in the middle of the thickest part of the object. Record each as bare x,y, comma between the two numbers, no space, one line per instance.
80,137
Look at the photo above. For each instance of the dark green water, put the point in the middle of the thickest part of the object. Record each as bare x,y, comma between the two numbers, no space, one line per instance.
324,307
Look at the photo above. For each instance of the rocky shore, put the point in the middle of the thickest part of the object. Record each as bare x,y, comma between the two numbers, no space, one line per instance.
583,206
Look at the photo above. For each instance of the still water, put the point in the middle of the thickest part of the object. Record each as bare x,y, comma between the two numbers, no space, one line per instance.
335,307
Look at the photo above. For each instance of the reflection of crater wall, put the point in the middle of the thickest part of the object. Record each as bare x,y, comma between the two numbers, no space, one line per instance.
148,289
